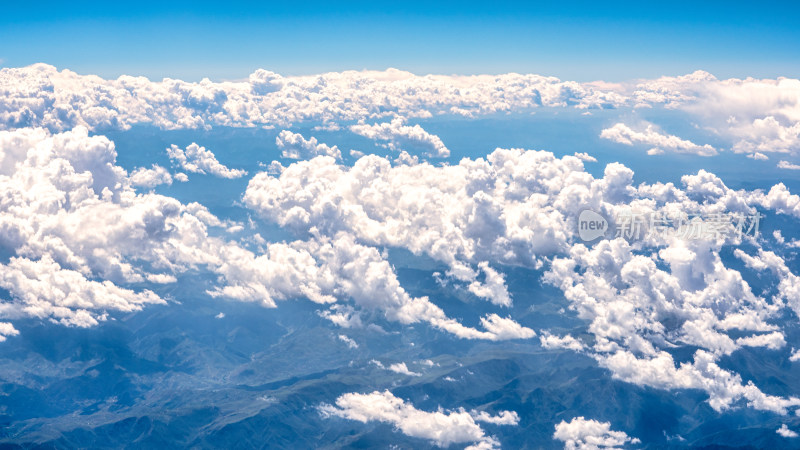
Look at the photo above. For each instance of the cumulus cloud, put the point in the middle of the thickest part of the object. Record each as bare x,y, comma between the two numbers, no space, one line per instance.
778,199
508,209
551,341
518,207
197,159
333,271
787,165
757,116
40,95
399,136
585,434
443,428
658,141
6,330
402,368
788,282
647,308
57,186
349,341
295,146
150,178
503,418
511,208
583,156
43,289
77,230
786,432
493,287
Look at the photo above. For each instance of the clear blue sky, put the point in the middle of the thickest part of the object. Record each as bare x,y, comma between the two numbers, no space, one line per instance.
572,40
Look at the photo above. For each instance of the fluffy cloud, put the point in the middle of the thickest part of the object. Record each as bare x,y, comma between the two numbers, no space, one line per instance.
509,208
40,95
402,368
637,309
551,341
515,207
788,283
349,341
197,159
6,329
755,116
443,428
330,271
658,142
399,136
788,165
580,433
77,229
55,187
493,287
503,418
778,199
43,289
150,178
295,146
786,432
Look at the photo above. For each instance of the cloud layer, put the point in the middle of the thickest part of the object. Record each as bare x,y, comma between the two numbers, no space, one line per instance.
443,428
42,96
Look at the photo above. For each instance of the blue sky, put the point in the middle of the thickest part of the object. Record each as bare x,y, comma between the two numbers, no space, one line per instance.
572,40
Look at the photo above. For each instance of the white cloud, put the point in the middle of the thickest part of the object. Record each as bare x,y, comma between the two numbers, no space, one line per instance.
772,341
514,207
786,432
150,178
197,159
658,141
758,156
330,271
779,199
295,146
636,309
443,428
724,388
349,341
40,95
6,330
160,278
551,341
754,115
580,433
60,185
787,165
493,287
43,289
506,209
402,368
399,136
503,418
